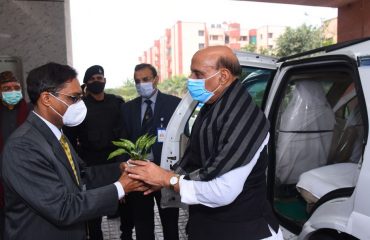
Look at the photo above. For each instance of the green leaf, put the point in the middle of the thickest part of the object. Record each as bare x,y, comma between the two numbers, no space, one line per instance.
124,143
116,153
150,141
135,155
137,151
140,143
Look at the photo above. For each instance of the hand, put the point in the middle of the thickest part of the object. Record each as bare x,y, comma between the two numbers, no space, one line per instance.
130,184
149,173
152,189
123,166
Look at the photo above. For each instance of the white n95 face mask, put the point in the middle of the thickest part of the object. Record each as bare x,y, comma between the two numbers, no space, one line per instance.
75,113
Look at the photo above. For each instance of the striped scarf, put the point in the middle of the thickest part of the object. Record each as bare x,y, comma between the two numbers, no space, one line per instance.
225,135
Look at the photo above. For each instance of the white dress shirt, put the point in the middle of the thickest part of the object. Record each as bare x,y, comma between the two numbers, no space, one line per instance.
58,135
144,104
222,190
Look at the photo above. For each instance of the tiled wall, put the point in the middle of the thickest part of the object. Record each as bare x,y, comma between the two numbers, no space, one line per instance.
33,31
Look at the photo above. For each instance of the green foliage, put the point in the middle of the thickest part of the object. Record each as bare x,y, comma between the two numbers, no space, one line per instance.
250,48
127,91
137,151
253,48
328,42
175,85
298,40
264,51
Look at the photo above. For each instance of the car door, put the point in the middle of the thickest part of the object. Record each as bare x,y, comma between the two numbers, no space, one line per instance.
319,127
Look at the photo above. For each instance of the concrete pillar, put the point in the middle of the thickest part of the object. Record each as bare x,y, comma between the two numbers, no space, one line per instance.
35,31
354,20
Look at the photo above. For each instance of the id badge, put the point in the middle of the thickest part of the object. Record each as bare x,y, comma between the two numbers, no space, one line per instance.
161,134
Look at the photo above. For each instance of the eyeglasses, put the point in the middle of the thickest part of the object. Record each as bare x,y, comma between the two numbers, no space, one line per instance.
74,99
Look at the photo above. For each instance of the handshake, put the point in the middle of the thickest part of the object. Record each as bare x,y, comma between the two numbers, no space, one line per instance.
144,176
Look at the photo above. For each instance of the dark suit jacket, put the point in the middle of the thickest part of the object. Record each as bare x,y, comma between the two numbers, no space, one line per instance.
165,106
42,197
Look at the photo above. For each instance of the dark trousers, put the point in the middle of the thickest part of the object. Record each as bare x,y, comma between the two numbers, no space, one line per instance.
2,222
138,211
94,228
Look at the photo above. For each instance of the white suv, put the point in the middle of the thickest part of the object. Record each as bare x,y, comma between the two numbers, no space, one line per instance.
319,161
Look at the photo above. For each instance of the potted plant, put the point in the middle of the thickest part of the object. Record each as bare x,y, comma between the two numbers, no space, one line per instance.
137,151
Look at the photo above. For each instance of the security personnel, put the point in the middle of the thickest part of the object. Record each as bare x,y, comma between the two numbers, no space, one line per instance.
93,137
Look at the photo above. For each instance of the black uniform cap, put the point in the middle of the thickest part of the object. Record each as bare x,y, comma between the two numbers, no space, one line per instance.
96,69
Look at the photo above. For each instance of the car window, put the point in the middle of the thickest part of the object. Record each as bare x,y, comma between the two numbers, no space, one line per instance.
255,80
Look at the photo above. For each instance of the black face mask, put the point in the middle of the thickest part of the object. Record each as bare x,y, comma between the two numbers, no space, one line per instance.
95,87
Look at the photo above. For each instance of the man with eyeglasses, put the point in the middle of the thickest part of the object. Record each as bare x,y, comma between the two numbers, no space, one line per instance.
13,112
44,192
93,137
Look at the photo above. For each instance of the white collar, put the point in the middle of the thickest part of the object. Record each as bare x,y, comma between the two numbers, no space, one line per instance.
152,98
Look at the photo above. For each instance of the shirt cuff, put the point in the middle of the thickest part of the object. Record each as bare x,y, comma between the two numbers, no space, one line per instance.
187,191
120,190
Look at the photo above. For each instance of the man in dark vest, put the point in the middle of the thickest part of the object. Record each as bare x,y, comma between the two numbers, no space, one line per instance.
93,137
13,112
222,173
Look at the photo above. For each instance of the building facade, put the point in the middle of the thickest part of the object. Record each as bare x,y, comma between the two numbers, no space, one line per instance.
172,53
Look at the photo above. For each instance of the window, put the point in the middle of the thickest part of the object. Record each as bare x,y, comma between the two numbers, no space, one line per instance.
212,26
261,36
270,35
243,38
201,33
201,45
255,81
227,39
214,37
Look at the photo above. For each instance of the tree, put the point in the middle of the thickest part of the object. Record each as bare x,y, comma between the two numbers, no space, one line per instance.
265,51
261,50
127,91
298,40
250,48
175,85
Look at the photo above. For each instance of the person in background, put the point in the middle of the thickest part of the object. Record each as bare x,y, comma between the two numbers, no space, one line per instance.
13,112
222,173
149,113
93,137
44,193
14,109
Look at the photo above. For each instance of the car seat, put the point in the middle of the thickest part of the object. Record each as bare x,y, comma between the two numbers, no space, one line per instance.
304,133
345,162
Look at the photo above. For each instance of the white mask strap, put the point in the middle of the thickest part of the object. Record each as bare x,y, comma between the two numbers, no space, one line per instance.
59,100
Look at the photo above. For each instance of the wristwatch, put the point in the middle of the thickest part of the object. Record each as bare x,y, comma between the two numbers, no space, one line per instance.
173,181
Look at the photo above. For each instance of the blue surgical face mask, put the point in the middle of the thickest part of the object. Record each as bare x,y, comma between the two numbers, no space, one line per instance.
145,89
198,91
12,97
